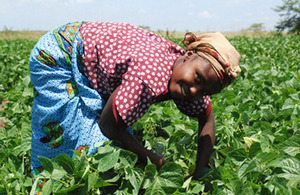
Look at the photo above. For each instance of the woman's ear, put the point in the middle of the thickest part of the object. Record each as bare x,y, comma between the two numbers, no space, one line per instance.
188,54
189,38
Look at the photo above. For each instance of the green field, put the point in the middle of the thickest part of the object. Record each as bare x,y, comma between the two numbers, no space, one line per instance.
257,147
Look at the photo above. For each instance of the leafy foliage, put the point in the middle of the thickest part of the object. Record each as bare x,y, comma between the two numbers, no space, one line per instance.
257,27
15,139
257,147
290,16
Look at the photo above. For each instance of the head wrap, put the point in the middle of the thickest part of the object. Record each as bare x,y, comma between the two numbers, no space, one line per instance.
218,51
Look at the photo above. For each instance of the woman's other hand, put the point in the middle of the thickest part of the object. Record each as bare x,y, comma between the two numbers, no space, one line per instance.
156,159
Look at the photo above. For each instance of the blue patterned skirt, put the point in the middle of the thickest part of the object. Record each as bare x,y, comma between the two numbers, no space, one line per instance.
66,109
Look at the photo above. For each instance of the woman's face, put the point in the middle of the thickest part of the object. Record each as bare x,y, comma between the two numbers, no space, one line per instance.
193,77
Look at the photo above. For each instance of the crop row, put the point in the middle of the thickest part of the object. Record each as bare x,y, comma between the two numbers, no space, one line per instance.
257,148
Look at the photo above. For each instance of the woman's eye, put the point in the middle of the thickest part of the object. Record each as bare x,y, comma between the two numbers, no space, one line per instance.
198,79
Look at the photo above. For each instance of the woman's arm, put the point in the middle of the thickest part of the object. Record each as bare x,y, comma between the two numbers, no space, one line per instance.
206,140
112,130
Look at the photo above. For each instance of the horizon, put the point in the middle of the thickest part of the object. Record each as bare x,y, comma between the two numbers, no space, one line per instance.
194,16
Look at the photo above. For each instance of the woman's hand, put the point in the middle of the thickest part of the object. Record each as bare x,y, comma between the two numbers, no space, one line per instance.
156,159
206,140
112,130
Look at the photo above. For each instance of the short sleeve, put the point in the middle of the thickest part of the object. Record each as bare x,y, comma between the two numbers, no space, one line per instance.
198,108
132,100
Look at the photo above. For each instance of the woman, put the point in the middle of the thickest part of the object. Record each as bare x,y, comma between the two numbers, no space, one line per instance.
93,80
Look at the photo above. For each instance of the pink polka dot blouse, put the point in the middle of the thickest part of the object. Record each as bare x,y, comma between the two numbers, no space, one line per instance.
139,61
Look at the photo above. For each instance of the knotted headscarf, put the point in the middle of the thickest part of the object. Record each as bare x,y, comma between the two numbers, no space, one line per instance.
218,51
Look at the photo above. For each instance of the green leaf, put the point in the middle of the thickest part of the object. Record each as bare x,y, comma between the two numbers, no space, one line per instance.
102,144
288,165
265,144
47,164
267,157
58,171
34,186
127,158
253,167
265,190
28,182
288,104
278,185
2,190
92,180
218,190
17,108
107,160
293,181
125,189
26,80
254,149
47,188
268,115
102,183
81,165
150,172
70,189
292,151
225,173
168,180
238,154
66,162
197,187
110,177
136,176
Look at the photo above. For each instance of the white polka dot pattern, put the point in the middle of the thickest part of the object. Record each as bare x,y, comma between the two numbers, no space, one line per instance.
194,108
138,60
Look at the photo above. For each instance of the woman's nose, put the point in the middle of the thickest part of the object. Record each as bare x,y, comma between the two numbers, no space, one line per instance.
194,91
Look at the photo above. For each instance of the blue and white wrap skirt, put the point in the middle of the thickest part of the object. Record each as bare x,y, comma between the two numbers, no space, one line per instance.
66,109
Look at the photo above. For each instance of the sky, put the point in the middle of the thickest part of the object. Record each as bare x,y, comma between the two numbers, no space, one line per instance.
172,15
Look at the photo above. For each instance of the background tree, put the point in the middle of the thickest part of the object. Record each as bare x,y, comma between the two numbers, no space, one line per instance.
257,27
290,16
145,27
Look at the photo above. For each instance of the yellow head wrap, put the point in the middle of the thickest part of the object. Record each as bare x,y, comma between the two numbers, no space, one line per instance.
218,51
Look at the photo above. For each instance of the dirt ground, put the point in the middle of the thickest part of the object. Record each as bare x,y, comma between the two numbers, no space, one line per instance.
36,35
